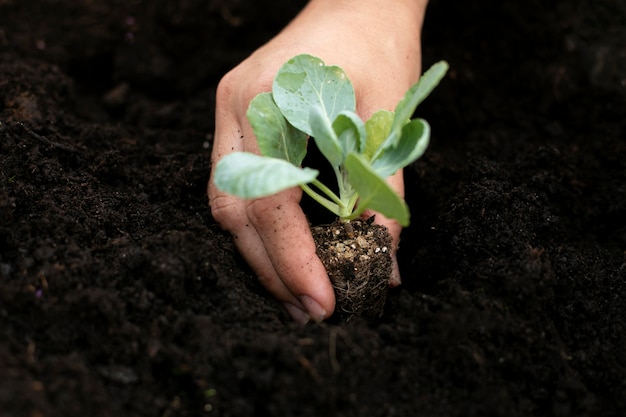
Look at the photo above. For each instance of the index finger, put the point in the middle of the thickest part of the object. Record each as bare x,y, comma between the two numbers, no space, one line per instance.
286,235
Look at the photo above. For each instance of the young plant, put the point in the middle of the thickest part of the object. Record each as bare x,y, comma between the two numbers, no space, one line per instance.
310,99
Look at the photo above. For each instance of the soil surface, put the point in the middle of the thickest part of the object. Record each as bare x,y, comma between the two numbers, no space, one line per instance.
120,296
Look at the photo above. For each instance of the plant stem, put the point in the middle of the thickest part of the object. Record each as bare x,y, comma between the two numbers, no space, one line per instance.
347,195
328,192
342,206
349,229
352,202
334,208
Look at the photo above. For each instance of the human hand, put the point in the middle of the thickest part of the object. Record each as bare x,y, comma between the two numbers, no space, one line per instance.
379,48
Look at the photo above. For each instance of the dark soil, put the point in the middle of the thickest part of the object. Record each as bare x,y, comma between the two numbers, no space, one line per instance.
120,296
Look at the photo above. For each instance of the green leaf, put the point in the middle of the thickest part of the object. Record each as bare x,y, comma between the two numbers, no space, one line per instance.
374,192
416,94
325,136
304,82
247,175
377,127
350,131
412,145
277,138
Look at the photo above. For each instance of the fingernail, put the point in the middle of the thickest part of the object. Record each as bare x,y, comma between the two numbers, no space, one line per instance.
316,312
296,313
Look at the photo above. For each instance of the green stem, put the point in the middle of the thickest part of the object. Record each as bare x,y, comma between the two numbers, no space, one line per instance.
353,213
334,208
328,192
341,206
346,194
352,202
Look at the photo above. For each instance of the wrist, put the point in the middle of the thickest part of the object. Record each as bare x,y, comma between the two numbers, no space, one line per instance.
405,10
394,29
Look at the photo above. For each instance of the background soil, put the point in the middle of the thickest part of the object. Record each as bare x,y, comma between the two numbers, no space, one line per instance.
120,296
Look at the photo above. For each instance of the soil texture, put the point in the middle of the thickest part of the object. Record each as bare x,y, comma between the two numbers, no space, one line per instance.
121,296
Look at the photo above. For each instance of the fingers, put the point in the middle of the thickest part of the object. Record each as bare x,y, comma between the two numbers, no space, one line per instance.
289,245
272,233
230,213
274,238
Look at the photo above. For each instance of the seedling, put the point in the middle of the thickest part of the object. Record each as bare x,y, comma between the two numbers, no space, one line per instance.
311,99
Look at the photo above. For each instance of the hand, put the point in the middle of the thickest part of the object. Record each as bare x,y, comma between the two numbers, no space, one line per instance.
379,48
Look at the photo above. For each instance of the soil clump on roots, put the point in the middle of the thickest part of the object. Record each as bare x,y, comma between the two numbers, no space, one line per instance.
358,262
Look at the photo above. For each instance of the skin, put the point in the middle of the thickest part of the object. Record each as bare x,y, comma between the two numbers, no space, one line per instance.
379,48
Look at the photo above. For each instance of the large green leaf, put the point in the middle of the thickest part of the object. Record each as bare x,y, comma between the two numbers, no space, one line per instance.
277,138
374,192
412,145
248,175
304,82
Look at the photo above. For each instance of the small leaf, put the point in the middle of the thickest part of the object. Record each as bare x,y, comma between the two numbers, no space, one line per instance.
406,107
350,131
276,137
417,93
377,127
325,137
304,82
374,192
412,145
247,175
